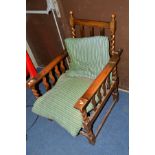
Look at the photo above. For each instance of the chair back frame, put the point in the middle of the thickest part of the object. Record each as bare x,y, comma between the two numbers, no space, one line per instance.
111,25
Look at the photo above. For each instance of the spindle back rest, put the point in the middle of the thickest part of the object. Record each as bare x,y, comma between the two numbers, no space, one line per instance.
81,24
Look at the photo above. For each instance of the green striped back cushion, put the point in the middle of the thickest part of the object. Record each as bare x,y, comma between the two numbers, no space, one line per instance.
88,55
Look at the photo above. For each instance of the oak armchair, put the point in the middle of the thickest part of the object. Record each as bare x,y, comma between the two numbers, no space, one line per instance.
106,81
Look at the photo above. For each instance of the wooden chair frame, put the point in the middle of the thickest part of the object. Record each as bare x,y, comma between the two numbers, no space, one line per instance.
61,63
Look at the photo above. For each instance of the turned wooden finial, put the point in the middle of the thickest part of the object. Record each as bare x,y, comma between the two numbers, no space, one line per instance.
30,82
112,29
113,23
71,12
113,16
71,21
71,18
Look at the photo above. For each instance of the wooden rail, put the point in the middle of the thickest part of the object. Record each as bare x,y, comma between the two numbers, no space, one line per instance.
52,71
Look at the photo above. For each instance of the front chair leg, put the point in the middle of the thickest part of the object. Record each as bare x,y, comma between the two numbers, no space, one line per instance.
91,137
88,128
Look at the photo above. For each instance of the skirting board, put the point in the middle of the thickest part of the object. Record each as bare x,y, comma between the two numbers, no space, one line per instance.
126,91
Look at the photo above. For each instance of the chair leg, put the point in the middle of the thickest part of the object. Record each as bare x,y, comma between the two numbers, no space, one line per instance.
88,128
115,94
91,137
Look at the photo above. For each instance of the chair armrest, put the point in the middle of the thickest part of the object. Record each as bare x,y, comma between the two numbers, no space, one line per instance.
33,81
82,103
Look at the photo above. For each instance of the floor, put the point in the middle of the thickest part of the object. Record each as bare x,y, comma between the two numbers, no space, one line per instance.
46,137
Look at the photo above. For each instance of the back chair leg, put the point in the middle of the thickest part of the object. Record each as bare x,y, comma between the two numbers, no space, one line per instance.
115,95
91,137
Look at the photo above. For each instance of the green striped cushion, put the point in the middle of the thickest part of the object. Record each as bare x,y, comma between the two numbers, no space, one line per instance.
57,104
88,55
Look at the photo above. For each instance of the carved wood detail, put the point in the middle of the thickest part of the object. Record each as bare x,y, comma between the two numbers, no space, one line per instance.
35,92
112,29
99,94
62,67
94,102
108,82
57,71
52,77
87,127
72,24
45,83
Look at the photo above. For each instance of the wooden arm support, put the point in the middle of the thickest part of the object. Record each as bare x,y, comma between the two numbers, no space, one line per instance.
33,81
83,102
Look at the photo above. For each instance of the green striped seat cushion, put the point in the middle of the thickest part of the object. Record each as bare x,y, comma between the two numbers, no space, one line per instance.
88,55
57,104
